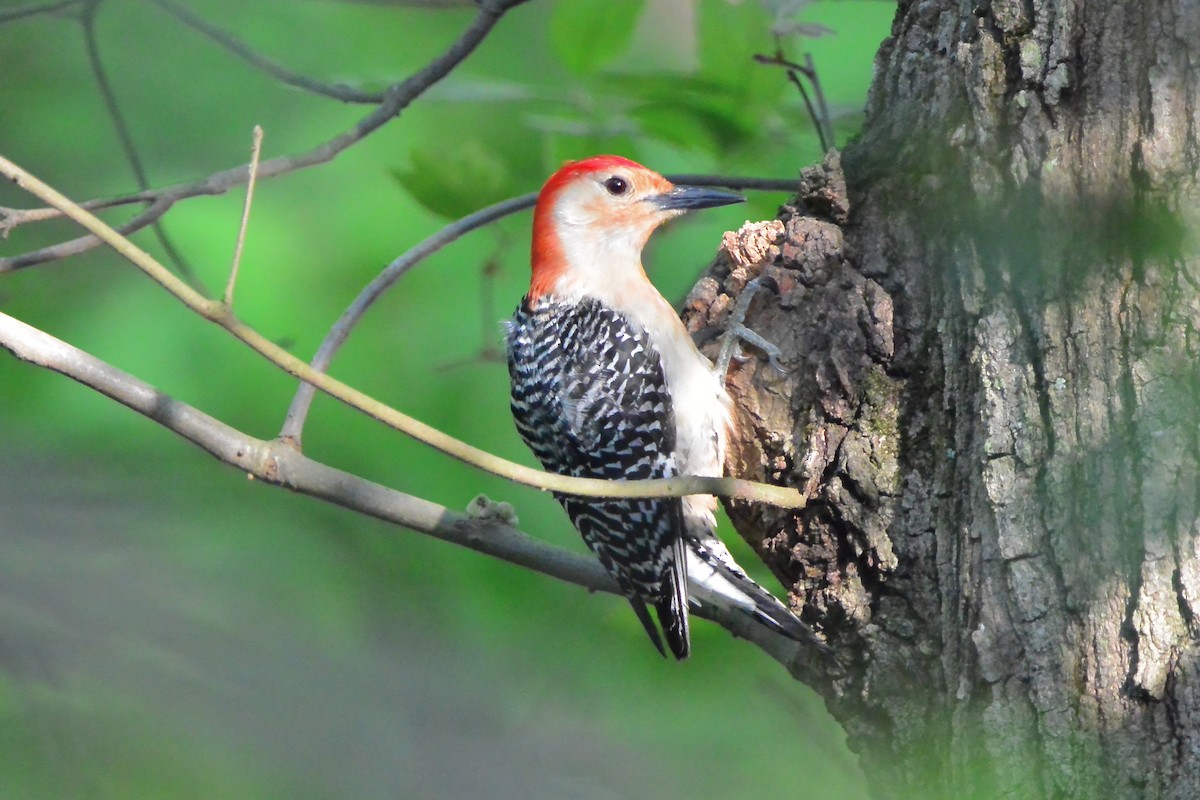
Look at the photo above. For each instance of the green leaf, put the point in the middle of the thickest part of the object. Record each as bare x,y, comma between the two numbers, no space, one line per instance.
455,181
690,111
682,126
588,33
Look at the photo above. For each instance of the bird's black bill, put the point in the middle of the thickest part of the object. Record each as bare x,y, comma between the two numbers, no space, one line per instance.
689,198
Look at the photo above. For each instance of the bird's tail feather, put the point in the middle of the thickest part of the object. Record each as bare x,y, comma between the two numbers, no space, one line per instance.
716,578
778,616
639,608
673,604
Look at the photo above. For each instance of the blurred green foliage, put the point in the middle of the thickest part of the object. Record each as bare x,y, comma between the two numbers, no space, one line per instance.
168,629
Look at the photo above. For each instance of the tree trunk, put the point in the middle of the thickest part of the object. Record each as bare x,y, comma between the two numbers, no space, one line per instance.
993,402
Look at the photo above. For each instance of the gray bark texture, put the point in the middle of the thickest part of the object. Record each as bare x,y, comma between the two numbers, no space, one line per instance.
989,306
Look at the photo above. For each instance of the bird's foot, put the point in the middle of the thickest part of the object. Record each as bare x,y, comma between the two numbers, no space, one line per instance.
736,332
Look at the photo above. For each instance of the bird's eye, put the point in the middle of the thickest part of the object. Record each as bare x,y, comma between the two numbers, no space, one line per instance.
616,186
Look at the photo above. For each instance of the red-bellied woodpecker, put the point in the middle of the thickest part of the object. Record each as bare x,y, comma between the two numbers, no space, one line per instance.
607,383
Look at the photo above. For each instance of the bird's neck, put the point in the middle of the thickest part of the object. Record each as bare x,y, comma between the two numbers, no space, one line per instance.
576,261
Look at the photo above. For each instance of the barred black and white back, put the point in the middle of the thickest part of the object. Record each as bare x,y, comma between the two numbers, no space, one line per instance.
589,399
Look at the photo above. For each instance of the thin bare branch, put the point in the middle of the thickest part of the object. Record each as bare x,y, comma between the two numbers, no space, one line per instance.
346,94
29,11
737,182
217,312
109,97
11,218
396,99
255,152
818,112
815,79
72,247
818,123
293,424
279,464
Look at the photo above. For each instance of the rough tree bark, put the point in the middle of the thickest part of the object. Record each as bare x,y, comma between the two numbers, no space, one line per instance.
994,402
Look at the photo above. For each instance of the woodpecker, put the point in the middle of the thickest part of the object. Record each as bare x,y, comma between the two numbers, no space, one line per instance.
607,383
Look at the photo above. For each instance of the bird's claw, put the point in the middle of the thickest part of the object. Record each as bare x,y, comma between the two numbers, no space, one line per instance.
736,332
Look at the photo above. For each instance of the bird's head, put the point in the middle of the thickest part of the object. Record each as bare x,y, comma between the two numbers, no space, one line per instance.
593,218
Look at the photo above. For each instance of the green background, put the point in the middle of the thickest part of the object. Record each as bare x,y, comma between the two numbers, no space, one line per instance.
170,629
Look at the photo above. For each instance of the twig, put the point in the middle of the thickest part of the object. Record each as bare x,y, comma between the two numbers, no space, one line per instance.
29,11
488,276
277,464
16,217
396,99
11,218
293,424
489,351
737,182
109,97
818,124
215,311
281,73
819,113
255,152
815,79
158,206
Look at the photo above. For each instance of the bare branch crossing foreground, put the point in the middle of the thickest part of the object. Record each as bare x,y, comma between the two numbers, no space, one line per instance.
280,464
